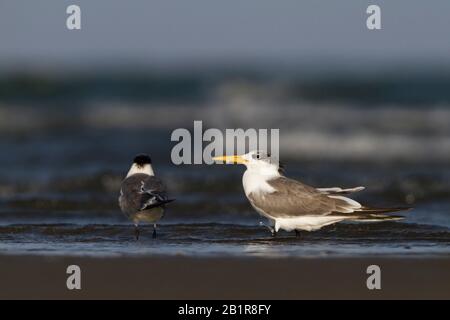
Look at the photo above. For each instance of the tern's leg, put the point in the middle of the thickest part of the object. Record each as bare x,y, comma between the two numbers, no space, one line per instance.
297,233
154,231
136,231
276,227
271,229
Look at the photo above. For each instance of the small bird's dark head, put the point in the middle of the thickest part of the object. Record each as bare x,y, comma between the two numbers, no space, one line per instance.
142,159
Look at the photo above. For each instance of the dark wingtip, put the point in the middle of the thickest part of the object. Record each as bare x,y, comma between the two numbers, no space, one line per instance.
384,210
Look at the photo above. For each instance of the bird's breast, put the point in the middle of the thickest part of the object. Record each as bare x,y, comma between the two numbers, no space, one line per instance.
256,183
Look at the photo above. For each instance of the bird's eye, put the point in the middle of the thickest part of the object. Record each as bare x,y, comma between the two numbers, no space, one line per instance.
257,156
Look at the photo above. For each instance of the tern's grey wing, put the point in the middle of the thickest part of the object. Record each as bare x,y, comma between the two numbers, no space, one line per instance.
141,192
293,198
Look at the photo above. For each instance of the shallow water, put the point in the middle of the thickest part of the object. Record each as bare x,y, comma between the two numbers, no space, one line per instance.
247,238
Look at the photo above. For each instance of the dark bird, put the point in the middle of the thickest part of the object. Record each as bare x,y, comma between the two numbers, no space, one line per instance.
142,195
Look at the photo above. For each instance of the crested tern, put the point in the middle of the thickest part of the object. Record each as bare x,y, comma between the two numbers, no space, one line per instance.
142,195
292,205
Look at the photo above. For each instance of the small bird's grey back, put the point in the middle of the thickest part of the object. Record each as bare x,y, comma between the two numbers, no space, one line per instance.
141,192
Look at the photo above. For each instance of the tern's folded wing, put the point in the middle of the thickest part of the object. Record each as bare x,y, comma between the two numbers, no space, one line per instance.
292,198
141,192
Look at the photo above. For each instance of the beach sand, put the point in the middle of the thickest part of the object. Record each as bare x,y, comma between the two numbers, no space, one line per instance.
178,277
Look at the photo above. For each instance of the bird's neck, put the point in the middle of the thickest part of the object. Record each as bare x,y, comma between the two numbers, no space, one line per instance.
268,171
146,169
255,179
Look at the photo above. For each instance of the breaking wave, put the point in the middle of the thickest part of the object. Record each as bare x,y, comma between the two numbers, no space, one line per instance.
307,130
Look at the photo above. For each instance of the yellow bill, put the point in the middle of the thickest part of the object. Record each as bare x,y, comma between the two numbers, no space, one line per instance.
231,159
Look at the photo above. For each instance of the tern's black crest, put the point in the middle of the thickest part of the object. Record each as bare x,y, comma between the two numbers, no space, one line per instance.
142,159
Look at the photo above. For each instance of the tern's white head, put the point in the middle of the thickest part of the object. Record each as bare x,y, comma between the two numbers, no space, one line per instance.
257,161
142,163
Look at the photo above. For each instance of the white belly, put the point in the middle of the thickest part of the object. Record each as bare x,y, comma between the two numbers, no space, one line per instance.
307,223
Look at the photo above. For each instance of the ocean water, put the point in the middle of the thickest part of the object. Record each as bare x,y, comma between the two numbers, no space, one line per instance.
67,144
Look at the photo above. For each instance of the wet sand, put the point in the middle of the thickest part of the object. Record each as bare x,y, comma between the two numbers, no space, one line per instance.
160,277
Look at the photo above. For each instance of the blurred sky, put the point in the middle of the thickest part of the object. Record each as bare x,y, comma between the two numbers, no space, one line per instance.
177,33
